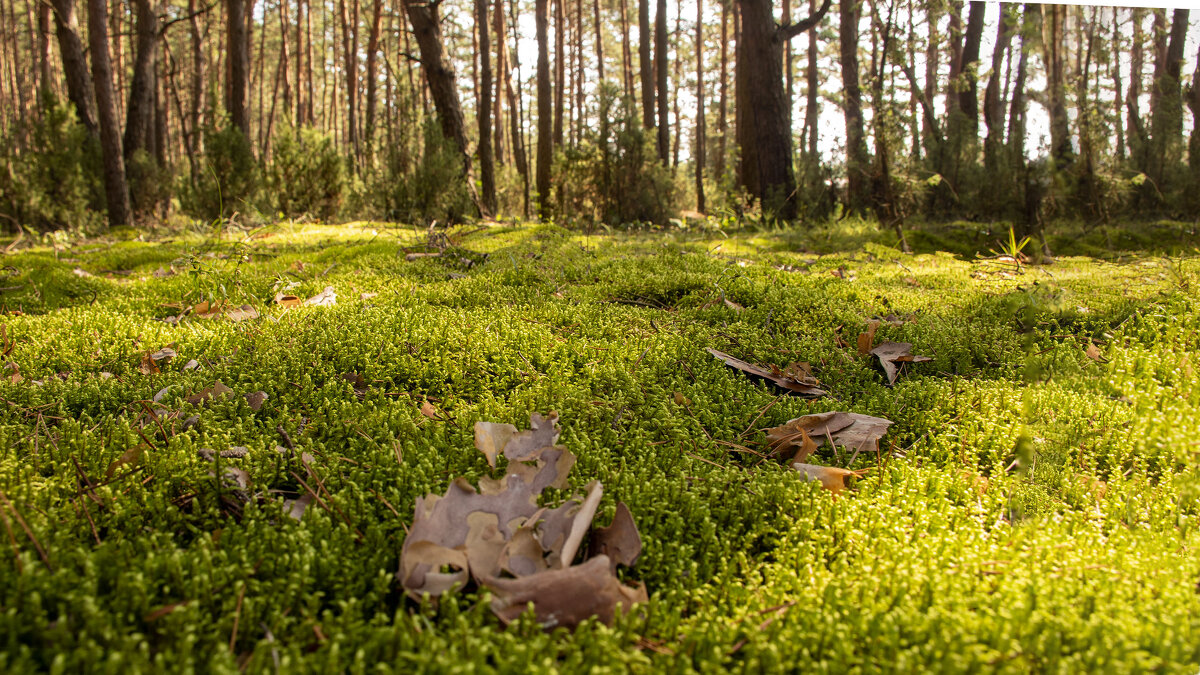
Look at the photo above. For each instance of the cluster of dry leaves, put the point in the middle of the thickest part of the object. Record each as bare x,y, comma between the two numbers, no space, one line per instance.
523,552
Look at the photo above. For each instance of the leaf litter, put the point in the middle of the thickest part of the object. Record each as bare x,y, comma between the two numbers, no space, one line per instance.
523,552
796,377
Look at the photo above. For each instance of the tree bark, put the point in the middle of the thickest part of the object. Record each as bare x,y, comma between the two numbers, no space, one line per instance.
723,101
116,192
811,110
599,40
856,147
763,106
75,67
993,103
545,140
560,79
238,65
487,167
1135,132
349,21
139,115
660,68
701,133
1166,116
645,64
626,52
968,87
45,79
1053,27
501,33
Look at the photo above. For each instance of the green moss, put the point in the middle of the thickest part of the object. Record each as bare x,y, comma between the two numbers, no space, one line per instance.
749,567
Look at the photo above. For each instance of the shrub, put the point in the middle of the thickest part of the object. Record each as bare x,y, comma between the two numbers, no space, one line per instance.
423,184
54,181
306,175
228,179
150,183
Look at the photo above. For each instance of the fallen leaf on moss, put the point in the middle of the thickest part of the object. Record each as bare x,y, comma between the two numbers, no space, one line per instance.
428,410
620,541
326,298
286,300
856,432
866,339
15,375
565,597
891,354
794,378
6,344
832,478
256,399
131,456
242,313
295,507
209,310
491,437
218,390
1093,352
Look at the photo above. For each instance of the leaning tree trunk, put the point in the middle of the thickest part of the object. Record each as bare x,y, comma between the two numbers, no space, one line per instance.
762,103
79,81
116,192
439,74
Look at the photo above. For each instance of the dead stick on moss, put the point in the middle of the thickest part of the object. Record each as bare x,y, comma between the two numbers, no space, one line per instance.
12,538
237,615
25,526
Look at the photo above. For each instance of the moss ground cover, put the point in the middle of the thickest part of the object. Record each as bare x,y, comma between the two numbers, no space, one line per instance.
1034,508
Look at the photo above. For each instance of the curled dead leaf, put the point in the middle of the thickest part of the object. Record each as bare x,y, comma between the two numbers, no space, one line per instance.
286,300
832,478
854,431
866,339
891,354
795,378
326,298
218,390
256,399
565,597
620,541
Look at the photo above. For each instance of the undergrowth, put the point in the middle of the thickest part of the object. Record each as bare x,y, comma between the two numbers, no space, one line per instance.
1034,507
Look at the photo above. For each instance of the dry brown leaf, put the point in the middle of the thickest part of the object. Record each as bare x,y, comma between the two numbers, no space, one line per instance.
295,507
806,388
428,410
326,298
620,541
891,354
256,399
565,597
367,296
15,375
865,340
561,530
218,390
209,310
832,478
1093,353
242,313
856,432
491,437
131,456
542,433
5,343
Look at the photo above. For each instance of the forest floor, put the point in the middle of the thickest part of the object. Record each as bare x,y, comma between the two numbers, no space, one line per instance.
1034,506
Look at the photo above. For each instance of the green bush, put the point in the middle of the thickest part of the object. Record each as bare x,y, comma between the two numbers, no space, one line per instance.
52,182
306,174
150,184
229,178
423,184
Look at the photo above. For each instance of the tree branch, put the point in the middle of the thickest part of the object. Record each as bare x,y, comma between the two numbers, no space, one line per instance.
162,30
788,31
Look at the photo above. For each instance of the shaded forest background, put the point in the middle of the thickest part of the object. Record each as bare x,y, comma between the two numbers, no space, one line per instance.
140,111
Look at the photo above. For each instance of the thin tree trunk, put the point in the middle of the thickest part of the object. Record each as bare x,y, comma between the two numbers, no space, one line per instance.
238,57
993,103
599,40
723,102
1054,19
646,64
811,111
284,63
1118,89
678,84
699,158
968,88
516,105
349,25
115,190
545,139
1166,115
487,167
626,52
856,148
45,79
501,34
560,61
660,67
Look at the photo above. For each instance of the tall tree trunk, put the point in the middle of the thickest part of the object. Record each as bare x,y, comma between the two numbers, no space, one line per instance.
116,192
1135,130
1118,89
560,62
238,60
487,166
723,101
599,40
856,147
763,107
284,62
1166,115
439,74
139,115
660,68
79,81
698,156
626,52
501,33
1053,28
516,105
45,79
309,86
955,48
372,79
933,54
811,110
1193,100
545,139
968,87
1016,115
993,103
645,64
349,25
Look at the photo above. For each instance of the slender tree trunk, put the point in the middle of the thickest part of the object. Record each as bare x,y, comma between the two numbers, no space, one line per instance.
516,105
545,140
788,88
309,86
626,52
139,116
993,103
349,25
284,62
501,34
955,48
811,110
856,148
933,54
968,88
45,79
115,190
577,109
560,60
487,167
1118,89
79,80
723,101
1135,130
646,64
1193,100
660,67
1166,115
1016,116
701,140
372,78
1054,20
599,40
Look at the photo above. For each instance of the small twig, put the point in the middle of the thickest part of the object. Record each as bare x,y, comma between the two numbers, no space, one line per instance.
760,414
237,615
25,526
